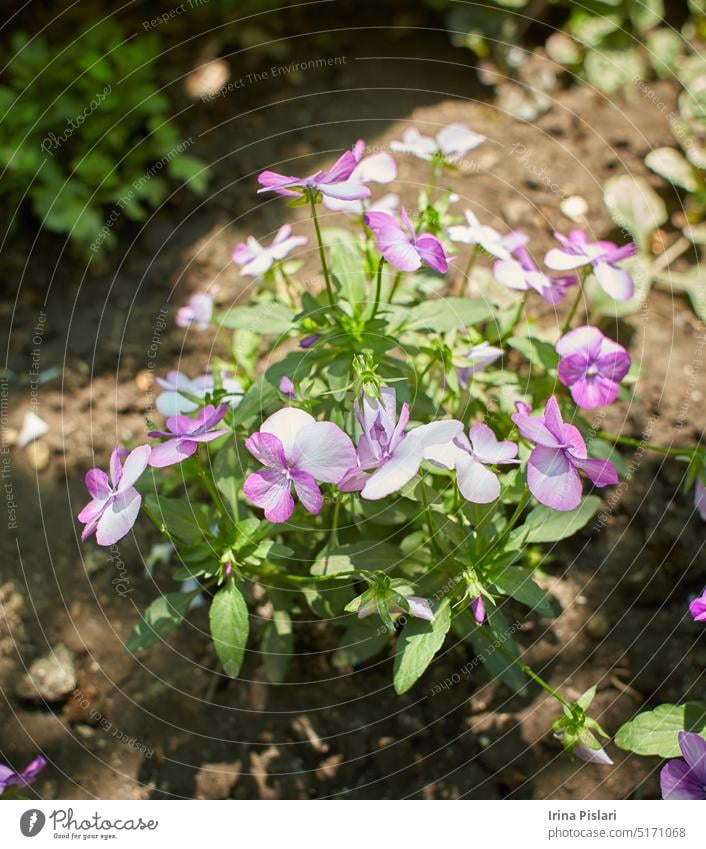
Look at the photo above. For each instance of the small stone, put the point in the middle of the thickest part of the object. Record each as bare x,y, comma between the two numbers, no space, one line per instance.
144,379
216,781
574,207
597,626
329,767
37,454
9,437
50,678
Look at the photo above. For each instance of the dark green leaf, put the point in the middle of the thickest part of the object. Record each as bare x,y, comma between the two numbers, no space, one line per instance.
179,517
230,625
417,644
515,582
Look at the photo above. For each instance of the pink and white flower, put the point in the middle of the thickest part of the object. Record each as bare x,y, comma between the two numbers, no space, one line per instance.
576,251
335,182
255,260
377,168
174,401
198,313
592,366
470,456
184,434
115,502
401,246
388,456
488,238
451,143
298,452
522,273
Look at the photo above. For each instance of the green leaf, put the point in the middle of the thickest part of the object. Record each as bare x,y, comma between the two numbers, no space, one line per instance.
417,644
515,582
277,646
228,484
546,525
444,314
161,617
634,206
179,517
487,640
356,557
538,352
230,625
346,264
672,165
655,731
192,171
359,642
270,317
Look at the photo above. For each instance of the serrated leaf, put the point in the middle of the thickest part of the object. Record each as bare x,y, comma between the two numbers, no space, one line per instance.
229,623
180,517
161,617
655,731
515,582
546,525
417,644
270,317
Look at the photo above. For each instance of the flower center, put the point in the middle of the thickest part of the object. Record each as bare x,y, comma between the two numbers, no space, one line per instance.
591,371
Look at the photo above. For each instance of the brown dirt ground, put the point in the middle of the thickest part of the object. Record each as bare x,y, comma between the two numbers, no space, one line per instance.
326,733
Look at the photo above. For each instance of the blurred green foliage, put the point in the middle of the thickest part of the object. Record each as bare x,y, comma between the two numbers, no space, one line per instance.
85,134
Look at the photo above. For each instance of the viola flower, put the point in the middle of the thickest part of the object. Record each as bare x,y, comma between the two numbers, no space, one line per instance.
488,238
419,607
602,256
336,182
686,779
286,387
592,366
255,260
401,247
478,358
697,608
184,434
115,502
174,401
387,457
469,456
522,273
198,313
377,168
27,776
297,451
700,497
552,471
478,609
451,143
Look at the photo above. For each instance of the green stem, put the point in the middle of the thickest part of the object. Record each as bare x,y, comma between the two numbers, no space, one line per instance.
395,284
636,443
322,252
530,673
287,285
471,262
208,482
575,306
378,289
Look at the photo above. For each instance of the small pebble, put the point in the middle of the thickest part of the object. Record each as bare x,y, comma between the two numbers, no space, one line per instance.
144,379
574,207
597,626
37,454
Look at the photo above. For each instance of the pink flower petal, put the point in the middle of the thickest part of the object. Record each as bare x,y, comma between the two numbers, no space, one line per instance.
171,452
614,281
476,483
552,479
270,490
322,450
119,517
308,492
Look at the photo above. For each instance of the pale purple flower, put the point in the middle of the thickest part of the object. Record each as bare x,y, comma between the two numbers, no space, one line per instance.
255,260
451,143
523,274
401,246
700,497
286,387
478,358
475,233
576,251
697,608
470,456
297,451
27,776
336,182
592,756
592,366
552,471
198,312
377,168
478,609
419,607
686,779
115,502
388,457
174,401
183,435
